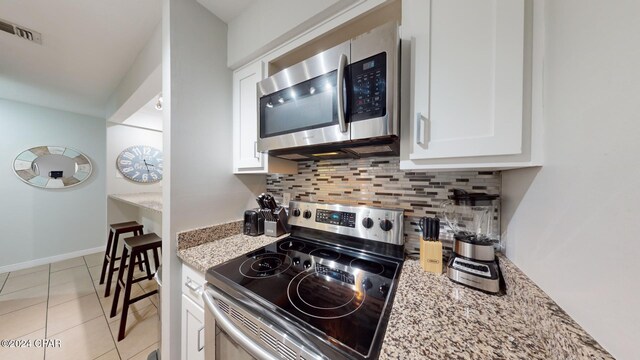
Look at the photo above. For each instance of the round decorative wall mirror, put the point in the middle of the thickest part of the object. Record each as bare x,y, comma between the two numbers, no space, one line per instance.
52,167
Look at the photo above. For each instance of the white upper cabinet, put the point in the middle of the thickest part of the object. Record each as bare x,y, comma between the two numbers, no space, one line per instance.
467,88
246,118
246,158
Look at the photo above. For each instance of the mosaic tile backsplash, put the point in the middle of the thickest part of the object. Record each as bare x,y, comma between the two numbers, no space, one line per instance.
380,182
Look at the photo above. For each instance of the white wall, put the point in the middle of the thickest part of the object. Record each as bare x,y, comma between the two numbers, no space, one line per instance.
200,188
572,226
39,223
269,23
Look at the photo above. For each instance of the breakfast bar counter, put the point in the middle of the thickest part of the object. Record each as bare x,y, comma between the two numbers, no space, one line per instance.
145,200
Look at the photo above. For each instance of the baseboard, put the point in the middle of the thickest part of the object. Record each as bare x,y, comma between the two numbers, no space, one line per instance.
47,260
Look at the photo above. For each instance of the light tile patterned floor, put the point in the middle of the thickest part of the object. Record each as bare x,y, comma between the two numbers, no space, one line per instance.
64,301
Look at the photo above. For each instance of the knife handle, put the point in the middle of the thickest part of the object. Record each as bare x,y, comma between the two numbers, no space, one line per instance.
433,229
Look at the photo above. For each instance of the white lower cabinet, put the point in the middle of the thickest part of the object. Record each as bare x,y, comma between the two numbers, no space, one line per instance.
193,283
192,330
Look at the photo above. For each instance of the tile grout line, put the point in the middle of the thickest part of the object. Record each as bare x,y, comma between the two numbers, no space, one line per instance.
115,345
76,298
75,326
140,352
103,354
69,268
46,316
5,281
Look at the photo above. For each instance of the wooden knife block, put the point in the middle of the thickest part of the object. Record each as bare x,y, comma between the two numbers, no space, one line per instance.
431,256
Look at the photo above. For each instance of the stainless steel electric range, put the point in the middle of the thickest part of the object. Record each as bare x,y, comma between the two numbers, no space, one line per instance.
324,292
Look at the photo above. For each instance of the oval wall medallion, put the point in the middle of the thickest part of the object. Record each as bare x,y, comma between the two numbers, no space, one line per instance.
52,167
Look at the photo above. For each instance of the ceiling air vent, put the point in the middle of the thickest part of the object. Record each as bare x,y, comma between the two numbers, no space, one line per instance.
21,31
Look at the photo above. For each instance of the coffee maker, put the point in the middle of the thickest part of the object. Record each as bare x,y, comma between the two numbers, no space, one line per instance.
473,261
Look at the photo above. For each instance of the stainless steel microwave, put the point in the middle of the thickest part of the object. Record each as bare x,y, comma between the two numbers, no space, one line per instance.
340,103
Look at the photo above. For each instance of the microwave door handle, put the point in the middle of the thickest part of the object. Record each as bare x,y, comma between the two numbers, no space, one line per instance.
342,63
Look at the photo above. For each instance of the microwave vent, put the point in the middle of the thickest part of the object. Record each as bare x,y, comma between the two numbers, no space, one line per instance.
21,31
371,149
294,157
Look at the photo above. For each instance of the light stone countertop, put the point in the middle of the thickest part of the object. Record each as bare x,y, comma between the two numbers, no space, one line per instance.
145,200
434,318
212,253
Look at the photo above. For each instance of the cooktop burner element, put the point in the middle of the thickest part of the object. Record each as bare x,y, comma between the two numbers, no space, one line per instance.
265,265
325,253
308,293
366,265
325,291
291,245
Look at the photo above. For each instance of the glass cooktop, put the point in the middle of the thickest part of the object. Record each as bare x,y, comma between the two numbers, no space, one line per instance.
343,295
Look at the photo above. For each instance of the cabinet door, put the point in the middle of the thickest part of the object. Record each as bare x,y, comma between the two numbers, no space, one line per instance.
192,330
245,118
467,83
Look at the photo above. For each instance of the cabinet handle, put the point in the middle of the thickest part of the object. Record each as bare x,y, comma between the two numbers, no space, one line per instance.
421,128
200,342
255,150
193,286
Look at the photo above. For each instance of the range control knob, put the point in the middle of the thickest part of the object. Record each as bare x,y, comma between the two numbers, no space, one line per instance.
367,222
386,225
307,214
306,264
384,289
296,212
366,284
296,261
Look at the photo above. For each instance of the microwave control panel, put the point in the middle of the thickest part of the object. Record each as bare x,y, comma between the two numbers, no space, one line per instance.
369,87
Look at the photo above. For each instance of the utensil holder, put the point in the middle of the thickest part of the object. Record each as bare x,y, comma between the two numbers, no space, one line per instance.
274,228
431,256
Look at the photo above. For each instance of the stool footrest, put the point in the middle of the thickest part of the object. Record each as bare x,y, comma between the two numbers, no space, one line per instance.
143,296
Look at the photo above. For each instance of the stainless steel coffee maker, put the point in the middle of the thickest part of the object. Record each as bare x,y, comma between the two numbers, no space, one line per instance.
473,262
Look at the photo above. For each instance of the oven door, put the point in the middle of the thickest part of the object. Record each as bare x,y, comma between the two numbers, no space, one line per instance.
221,346
305,104
240,334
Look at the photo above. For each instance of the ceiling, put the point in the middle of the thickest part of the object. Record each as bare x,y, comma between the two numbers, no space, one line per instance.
147,117
87,47
226,10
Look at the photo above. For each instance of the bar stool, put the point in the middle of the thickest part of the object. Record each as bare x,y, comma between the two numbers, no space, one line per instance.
108,264
133,247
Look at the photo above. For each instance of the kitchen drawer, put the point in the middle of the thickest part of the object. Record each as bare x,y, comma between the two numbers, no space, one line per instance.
193,282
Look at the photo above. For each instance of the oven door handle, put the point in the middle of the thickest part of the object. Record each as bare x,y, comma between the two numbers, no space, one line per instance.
225,323
209,296
342,63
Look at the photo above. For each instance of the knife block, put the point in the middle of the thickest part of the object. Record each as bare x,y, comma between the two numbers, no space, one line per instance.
274,228
431,256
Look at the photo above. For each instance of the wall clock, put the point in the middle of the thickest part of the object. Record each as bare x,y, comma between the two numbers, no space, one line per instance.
141,163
